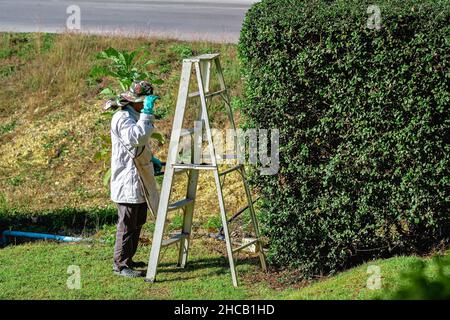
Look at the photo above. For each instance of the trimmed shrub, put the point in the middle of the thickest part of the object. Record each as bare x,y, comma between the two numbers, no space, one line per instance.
363,115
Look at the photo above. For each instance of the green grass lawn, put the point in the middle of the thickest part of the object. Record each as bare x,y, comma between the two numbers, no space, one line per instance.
39,271
352,284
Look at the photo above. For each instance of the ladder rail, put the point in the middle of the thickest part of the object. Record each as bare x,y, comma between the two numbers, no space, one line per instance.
225,95
262,257
241,170
216,177
169,172
193,178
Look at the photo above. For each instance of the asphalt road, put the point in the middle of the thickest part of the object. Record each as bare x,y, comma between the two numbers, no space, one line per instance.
194,19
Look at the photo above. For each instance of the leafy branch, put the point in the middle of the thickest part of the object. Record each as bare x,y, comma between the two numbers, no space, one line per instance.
124,67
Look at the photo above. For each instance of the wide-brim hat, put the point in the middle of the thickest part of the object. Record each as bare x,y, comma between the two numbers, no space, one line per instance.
115,103
131,97
138,91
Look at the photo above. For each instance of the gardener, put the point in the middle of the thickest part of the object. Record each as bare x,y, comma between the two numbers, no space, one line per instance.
132,174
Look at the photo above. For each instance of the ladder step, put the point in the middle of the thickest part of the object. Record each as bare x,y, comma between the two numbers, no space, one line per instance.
248,244
177,171
206,56
207,95
194,166
188,132
223,156
237,214
229,156
230,170
179,204
174,239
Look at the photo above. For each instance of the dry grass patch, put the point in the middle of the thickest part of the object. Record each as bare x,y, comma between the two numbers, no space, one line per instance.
51,111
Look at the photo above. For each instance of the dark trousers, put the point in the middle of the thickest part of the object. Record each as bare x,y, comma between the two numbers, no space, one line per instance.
132,217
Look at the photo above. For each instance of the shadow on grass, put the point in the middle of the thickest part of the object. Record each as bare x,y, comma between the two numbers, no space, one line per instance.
218,266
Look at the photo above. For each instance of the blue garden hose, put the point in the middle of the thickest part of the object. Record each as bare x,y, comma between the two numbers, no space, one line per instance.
10,233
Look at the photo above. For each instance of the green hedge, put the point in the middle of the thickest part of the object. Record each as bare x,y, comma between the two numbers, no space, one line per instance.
363,116
66,219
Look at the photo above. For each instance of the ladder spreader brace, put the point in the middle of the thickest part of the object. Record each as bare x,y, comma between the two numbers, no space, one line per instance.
202,66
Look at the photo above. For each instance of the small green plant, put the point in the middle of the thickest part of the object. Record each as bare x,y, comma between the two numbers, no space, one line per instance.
176,223
7,70
7,128
149,227
82,192
165,68
182,50
48,145
104,142
108,234
124,67
15,181
213,223
39,176
3,202
237,103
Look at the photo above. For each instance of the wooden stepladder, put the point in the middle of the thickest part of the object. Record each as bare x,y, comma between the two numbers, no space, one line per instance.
201,65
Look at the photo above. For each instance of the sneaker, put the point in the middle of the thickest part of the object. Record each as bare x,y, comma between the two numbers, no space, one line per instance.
138,264
129,273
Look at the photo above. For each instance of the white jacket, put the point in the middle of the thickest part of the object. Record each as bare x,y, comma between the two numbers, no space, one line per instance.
129,130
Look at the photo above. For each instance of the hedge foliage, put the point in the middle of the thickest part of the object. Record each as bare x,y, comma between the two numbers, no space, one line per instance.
363,115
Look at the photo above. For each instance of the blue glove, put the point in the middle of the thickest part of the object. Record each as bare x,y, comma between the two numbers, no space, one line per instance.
157,165
149,104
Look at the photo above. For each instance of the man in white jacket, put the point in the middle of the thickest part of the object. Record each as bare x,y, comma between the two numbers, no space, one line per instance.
131,128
